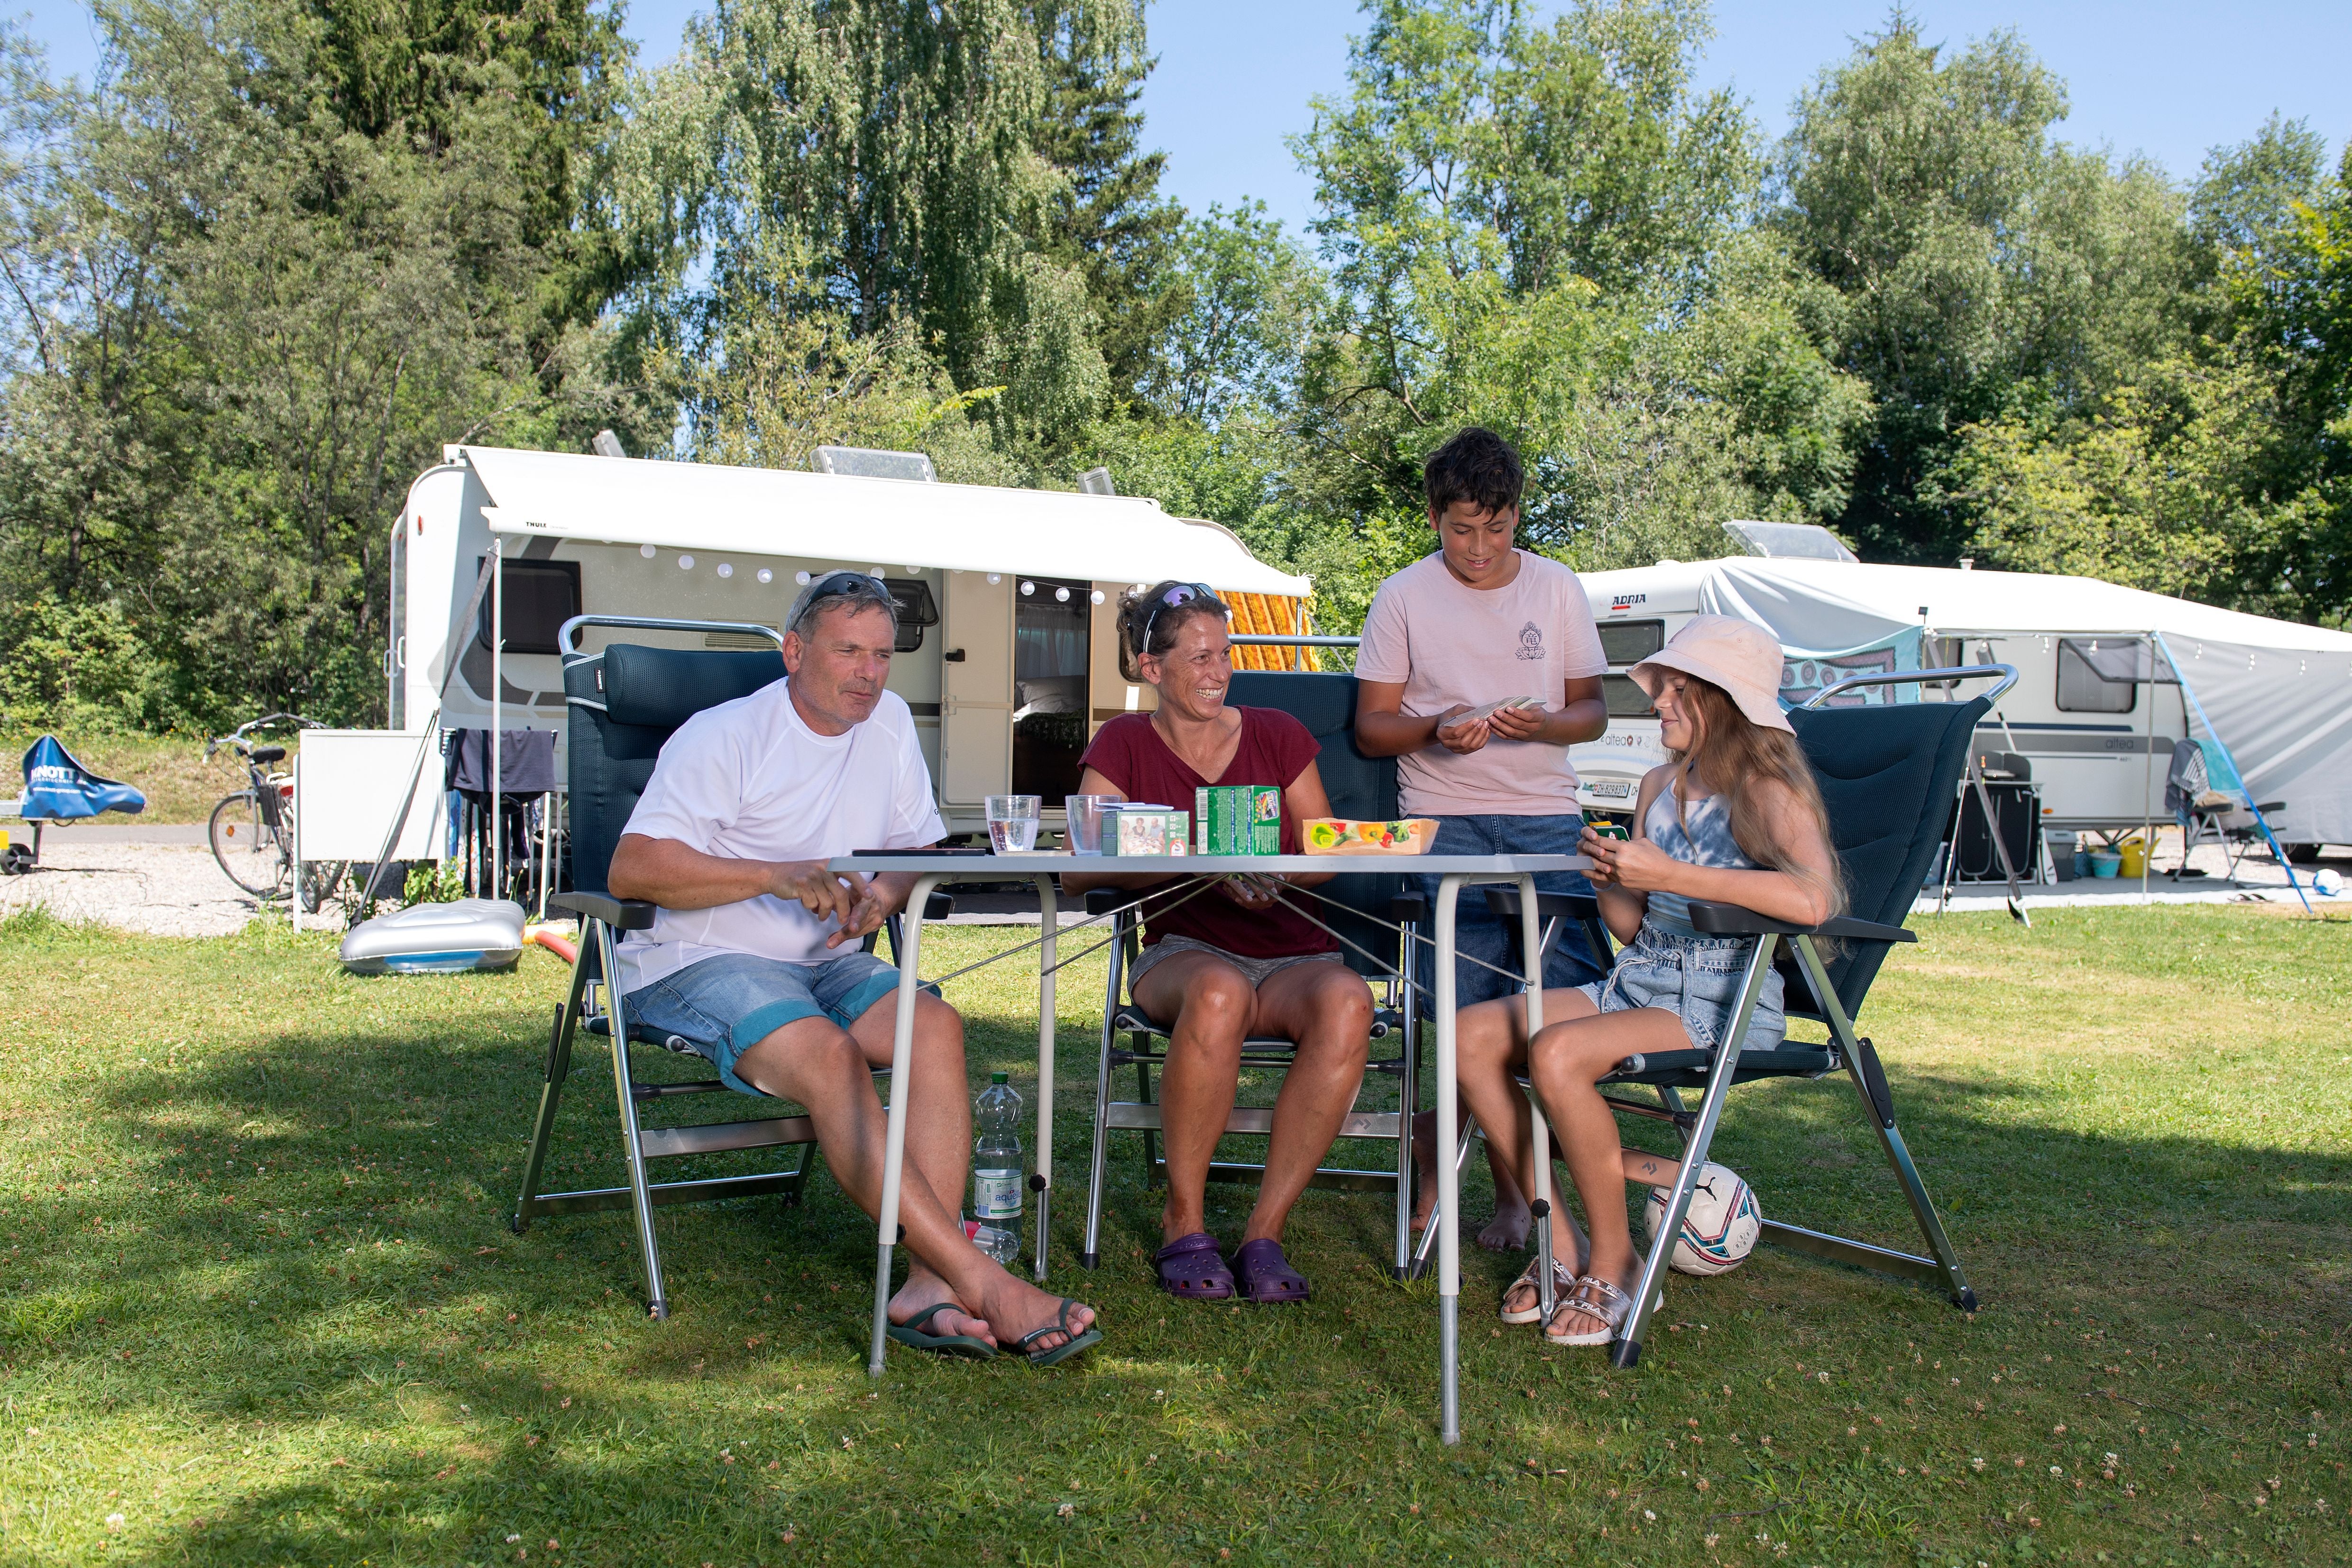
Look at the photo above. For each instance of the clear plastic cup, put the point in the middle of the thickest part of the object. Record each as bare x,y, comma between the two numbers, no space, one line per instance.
1013,823
1082,816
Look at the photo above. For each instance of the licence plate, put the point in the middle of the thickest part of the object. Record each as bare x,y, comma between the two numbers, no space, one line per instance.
1610,790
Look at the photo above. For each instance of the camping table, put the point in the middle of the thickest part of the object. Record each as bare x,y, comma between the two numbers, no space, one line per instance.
1456,873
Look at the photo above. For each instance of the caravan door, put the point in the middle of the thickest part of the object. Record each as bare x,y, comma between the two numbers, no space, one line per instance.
975,687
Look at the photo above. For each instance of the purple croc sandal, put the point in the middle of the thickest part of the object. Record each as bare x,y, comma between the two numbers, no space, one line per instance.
1266,1276
1189,1267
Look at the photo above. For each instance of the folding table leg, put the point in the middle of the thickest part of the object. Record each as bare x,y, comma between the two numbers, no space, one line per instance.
1043,1181
1090,1255
1626,1349
632,1144
894,1143
1449,1178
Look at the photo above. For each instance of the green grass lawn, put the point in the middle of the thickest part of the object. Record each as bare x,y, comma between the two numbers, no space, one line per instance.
260,1304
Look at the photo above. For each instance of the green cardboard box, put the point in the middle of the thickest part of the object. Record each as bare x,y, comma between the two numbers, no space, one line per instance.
1237,819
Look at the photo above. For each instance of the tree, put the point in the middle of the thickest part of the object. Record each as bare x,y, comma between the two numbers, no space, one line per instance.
238,328
1108,216
1970,254
1251,299
1536,228
897,149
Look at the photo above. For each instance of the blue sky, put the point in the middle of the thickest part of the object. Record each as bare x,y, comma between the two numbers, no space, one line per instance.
2165,78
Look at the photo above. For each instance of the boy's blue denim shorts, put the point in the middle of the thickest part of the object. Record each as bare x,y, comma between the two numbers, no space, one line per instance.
1698,979
1477,933
724,1006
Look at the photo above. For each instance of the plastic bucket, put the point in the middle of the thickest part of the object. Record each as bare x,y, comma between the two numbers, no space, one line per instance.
2062,854
2134,851
2105,862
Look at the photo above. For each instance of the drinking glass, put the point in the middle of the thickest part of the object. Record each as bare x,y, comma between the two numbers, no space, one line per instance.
1082,816
1013,823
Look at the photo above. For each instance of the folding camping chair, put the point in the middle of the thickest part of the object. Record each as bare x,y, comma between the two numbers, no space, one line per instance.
1886,773
1367,911
626,702
2207,798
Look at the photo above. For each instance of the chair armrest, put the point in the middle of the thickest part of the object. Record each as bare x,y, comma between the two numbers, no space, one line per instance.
1505,902
1730,920
619,914
1103,900
1407,906
938,906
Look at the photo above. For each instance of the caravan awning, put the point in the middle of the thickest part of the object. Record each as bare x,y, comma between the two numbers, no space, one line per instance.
857,521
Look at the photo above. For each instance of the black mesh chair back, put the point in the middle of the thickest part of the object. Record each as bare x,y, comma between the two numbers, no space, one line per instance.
1360,787
624,703
1886,773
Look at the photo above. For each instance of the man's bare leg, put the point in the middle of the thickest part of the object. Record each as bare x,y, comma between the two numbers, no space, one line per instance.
815,1062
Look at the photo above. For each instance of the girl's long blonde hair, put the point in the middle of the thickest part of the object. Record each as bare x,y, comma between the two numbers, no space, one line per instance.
1730,756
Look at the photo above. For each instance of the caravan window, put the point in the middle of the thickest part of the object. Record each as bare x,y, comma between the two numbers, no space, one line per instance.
1631,642
2097,674
538,598
1625,699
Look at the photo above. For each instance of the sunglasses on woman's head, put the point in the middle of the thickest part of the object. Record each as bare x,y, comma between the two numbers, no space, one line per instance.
1174,598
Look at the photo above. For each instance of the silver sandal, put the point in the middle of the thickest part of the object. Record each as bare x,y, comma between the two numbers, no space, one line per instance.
1564,1280
1596,1300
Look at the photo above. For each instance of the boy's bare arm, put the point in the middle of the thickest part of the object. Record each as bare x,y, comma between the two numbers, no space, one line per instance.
1581,716
1384,729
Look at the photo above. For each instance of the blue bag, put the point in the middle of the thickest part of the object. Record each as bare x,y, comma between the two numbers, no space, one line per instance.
58,788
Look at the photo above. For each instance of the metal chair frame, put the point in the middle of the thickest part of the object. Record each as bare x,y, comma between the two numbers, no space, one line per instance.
596,1005
1395,1014
1666,1074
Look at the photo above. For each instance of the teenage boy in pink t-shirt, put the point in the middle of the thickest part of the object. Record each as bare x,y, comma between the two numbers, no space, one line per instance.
1481,621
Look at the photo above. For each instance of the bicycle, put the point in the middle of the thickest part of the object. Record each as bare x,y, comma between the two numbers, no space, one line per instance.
252,831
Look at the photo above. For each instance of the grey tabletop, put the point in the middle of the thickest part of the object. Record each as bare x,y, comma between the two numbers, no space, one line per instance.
996,867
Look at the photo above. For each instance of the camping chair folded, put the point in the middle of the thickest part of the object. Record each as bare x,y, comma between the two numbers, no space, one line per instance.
626,702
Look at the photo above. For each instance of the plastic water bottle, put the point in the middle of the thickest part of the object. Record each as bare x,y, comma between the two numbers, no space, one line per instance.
997,1170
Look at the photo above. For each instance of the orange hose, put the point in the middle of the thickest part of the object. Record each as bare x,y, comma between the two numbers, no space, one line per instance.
556,945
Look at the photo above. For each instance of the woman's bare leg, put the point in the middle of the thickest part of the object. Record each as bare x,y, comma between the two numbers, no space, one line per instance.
1213,1006
1327,1009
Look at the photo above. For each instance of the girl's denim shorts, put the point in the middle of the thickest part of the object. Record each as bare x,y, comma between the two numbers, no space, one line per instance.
1696,978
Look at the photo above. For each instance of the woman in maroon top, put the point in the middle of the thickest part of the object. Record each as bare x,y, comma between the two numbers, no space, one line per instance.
1231,962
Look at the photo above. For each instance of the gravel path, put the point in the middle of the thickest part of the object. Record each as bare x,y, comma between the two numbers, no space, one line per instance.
163,890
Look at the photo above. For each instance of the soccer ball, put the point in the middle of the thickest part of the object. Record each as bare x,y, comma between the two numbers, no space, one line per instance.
1720,1229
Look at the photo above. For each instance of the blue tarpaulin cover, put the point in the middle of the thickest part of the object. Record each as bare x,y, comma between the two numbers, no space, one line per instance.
60,789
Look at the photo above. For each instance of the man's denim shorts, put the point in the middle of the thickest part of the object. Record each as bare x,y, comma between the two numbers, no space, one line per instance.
724,1006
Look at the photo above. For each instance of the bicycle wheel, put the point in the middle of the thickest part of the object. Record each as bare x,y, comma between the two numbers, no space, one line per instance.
320,880
247,846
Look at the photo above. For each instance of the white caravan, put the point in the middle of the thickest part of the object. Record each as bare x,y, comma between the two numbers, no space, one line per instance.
1008,598
2097,710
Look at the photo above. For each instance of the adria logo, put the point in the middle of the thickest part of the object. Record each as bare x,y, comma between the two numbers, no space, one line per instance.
1627,601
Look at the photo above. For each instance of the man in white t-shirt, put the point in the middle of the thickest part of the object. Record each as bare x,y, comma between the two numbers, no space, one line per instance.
1481,621
755,956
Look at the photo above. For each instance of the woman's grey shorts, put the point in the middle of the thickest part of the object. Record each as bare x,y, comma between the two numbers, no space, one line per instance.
1254,970
1696,978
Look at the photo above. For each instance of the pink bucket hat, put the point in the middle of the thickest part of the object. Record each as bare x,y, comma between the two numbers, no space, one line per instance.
1738,655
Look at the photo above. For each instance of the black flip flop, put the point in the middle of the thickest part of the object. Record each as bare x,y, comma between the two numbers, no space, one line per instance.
1067,1348
967,1346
